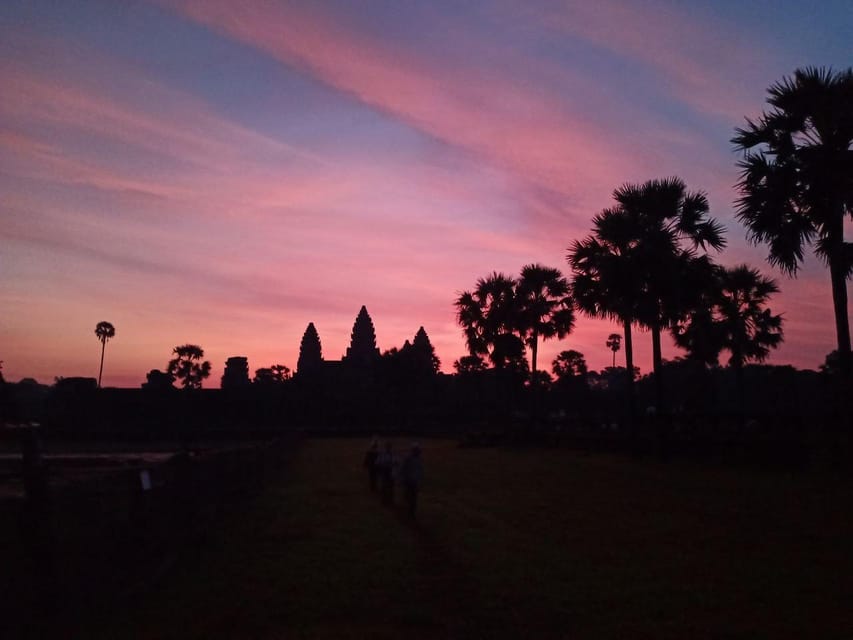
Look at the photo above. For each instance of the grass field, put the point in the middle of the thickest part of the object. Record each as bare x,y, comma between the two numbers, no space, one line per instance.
511,544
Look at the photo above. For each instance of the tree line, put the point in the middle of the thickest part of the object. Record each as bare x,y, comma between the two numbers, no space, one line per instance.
648,261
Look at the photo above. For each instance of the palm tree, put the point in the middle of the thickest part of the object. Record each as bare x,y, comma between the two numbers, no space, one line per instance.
671,224
187,366
605,282
489,318
104,330
614,343
735,318
749,329
544,308
796,184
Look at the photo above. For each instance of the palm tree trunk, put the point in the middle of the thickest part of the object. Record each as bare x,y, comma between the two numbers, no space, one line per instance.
838,275
101,370
657,366
629,365
534,349
613,366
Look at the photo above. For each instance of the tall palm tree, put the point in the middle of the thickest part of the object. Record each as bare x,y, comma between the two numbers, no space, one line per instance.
614,343
605,280
672,224
544,308
796,184
104,330
489,318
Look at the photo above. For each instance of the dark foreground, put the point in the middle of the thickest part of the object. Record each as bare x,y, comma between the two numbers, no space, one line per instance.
511,543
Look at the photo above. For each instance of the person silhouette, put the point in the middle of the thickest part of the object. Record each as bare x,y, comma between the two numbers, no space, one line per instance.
370,462
412,474
385,464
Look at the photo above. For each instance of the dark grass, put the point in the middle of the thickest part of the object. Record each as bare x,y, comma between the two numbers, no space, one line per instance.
513,543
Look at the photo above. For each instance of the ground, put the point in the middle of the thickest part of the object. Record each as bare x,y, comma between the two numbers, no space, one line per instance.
514,544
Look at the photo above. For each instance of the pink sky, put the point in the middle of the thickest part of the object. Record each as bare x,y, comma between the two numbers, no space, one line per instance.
223,174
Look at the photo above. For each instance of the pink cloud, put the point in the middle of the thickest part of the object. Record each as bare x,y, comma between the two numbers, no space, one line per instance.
541,141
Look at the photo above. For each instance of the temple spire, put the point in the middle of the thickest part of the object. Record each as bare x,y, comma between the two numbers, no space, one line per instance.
310,351
362,350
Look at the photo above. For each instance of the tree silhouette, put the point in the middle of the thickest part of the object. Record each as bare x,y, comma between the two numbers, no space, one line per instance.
274,374
104,330
749,329
467,365
569,364
614,343
735,318
488,316
830,364
605,281
671,224
187,366
796,185
543,307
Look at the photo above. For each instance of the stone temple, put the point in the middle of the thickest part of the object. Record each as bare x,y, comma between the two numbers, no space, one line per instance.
361,356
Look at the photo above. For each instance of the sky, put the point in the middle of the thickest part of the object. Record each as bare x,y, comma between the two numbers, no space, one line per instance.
223,173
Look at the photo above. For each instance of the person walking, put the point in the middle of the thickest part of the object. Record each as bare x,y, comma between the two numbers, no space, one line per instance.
412,475
370,463
385,464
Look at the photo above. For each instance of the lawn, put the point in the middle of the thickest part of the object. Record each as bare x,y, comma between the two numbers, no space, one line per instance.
514,543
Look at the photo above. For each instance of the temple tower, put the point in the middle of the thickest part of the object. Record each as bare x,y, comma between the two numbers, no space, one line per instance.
362,351
310,352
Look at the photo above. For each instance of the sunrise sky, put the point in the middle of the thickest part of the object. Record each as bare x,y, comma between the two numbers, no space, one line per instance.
223,173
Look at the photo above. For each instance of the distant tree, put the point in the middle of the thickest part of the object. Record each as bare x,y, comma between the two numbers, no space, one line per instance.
569,364
2,379
280,373
543,307
541,380
236,373
104,331
830,364
796,184
614,343
310,352
272,375
157,380
187,366
467,365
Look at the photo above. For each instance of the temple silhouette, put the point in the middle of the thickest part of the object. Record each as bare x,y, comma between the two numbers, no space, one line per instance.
358,363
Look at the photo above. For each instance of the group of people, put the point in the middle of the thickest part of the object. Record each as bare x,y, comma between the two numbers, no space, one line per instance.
384,469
